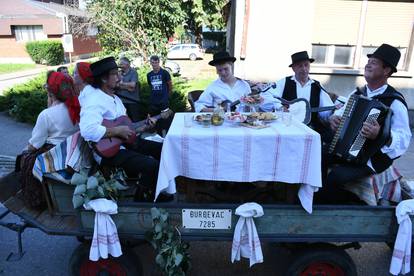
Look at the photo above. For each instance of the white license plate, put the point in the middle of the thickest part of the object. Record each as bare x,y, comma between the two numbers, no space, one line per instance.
207,218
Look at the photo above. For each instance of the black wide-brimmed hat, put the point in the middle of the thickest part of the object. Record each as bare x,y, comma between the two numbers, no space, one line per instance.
102,66
388,54
299,56
221,57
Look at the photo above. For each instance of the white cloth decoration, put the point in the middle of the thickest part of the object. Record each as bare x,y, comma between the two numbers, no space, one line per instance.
105,235
401,256
246,241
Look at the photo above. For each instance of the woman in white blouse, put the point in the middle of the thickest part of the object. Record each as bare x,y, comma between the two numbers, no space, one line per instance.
53,125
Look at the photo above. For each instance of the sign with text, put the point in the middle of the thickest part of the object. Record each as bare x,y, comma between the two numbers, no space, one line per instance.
67,42
207,218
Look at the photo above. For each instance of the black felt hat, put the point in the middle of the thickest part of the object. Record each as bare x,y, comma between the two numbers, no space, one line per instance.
221,57
388,54
299,56
102,66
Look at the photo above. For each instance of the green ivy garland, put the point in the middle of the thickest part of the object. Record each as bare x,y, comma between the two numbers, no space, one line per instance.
172,253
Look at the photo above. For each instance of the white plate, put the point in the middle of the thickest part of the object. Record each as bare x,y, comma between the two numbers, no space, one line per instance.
206,218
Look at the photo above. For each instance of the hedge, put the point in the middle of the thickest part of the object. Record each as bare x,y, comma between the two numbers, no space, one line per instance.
48,52
25,101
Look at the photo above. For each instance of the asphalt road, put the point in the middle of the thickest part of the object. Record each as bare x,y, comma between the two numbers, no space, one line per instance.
49,255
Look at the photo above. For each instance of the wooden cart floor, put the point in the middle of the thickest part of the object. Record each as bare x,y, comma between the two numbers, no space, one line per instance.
50,224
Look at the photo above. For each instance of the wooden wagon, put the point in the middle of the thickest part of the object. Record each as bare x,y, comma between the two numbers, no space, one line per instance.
318,240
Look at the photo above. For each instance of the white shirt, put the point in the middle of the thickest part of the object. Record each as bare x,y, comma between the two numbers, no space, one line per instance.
96,106
85,91
53,125
218,90
304,92
400,127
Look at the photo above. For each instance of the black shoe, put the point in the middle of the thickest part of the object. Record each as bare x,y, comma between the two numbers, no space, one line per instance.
164,197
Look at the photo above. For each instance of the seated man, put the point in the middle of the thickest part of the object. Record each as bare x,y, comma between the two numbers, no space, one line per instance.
227,87
101,103
301,86
381,65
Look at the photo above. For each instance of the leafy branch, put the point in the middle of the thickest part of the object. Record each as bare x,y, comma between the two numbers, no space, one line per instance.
172,253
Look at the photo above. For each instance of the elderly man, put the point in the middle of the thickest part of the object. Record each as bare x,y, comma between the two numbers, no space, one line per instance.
381,65
127,89
102,103
301,86
227,87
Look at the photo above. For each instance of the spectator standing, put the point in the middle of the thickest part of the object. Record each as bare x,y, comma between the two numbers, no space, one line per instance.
161,86
127,89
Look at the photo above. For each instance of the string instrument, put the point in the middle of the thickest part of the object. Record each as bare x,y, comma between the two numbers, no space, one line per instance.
301,110
109,146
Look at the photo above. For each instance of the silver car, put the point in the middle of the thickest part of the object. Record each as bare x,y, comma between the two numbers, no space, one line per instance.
172,67
185,51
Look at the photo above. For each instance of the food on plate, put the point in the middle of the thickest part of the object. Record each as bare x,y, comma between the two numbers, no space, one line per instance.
236,117
252,99
263,116
202,117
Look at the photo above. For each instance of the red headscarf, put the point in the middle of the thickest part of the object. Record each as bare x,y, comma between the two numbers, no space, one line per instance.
62,87
84,71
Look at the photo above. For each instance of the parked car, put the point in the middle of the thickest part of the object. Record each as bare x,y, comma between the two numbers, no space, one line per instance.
184,51
172,67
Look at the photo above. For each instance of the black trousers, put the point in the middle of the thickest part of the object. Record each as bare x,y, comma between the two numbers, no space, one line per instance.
132,111
163,125
340,174
141,158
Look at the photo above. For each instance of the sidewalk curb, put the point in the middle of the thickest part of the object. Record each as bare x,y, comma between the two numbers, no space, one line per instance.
28,74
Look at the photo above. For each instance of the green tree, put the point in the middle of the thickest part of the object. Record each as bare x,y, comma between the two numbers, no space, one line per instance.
203,13
142,26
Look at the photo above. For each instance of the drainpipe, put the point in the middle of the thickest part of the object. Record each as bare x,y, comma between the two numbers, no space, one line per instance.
362,21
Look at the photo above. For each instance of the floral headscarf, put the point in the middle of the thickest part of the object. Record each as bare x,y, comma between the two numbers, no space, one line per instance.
84,71
62,87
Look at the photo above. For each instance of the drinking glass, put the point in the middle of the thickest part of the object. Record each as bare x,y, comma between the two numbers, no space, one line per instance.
286,118
188,120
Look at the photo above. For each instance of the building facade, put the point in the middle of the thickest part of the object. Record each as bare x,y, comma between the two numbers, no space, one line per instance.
337,33
28,20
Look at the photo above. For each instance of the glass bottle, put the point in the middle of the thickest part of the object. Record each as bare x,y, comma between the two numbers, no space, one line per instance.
217,118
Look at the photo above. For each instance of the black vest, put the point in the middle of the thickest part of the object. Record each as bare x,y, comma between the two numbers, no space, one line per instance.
289,93
381,161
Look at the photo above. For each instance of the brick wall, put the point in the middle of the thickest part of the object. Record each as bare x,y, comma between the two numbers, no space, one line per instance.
10,48
85,45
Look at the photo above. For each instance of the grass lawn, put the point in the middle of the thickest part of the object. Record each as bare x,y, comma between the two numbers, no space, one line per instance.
199,84
11,67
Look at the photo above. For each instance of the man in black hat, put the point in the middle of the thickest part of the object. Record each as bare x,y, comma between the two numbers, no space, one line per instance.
227,87
102,103
301,86
381,65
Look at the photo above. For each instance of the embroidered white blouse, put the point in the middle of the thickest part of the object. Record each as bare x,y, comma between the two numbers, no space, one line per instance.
53,125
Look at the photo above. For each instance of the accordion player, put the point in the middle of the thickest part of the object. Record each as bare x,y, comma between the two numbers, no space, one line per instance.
348,144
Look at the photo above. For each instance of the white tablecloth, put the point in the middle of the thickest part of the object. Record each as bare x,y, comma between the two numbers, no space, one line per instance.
290,154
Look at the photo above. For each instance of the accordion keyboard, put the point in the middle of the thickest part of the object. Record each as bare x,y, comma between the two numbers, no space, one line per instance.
360,139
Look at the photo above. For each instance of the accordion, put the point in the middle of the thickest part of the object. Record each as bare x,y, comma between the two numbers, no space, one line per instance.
348,144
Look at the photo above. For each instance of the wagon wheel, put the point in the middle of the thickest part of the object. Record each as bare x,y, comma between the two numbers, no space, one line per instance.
322,262
80,265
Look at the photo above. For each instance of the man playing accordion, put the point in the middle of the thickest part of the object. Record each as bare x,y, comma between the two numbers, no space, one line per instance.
380,66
